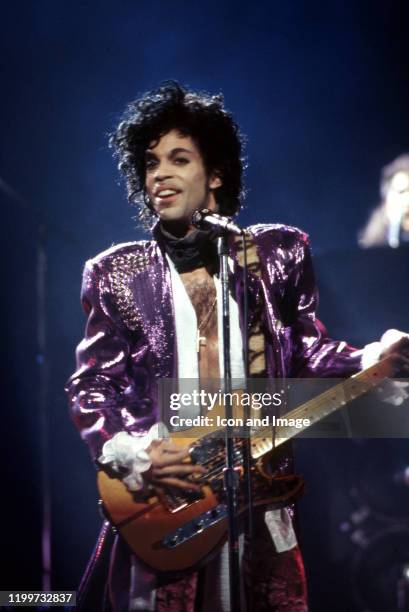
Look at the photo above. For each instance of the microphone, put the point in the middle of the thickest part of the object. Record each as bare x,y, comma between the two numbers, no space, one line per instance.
204,218
395,221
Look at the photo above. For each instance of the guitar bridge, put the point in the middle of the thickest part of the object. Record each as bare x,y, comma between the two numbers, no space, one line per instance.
174,501
192,528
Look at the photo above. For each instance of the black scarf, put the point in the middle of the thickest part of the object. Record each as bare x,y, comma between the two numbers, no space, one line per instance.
195,250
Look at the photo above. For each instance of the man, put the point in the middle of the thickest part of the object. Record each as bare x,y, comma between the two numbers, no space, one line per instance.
153,312
388,224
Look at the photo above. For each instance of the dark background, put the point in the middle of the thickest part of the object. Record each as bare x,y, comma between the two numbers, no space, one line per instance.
321,90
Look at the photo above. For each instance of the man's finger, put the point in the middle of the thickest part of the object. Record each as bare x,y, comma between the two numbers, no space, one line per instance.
171,458
176,482
400,347
400,364
183,468
170,447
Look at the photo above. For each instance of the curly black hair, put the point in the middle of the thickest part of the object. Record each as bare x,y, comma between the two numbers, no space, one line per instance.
198,115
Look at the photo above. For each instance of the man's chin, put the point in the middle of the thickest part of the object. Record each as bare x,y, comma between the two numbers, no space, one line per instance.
174,224
168,215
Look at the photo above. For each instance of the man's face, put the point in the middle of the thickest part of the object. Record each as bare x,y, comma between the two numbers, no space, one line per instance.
176,180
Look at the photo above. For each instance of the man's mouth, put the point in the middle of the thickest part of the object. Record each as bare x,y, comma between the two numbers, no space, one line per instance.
166,195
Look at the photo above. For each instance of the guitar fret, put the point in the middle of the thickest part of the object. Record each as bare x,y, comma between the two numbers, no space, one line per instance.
322,406
314,410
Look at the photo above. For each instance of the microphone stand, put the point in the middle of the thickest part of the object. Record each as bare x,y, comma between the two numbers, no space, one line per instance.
247,458
224,225
231,476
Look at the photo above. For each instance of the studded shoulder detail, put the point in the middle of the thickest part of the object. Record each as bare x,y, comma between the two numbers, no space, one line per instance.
123,268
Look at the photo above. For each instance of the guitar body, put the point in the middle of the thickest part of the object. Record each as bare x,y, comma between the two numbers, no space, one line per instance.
144,525
169,533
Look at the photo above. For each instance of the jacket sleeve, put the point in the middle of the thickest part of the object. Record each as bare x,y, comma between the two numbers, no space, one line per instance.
314,353
102,391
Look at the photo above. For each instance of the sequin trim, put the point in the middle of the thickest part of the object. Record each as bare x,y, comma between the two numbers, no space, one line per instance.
123,269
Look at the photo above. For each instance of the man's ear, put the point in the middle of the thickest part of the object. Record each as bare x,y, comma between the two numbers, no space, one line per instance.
215,181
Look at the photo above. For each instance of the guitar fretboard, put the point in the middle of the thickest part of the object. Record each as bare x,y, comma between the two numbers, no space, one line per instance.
321,406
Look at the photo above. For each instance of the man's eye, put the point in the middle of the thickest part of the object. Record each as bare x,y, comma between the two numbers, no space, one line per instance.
150,163
181,160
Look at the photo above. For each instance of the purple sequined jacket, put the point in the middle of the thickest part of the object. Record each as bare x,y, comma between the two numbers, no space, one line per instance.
130,334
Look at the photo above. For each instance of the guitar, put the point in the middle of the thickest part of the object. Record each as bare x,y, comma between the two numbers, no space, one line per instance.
172,530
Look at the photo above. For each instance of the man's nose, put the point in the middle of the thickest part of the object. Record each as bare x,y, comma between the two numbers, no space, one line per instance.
163,171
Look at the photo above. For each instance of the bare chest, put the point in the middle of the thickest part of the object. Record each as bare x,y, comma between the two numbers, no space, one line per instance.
201,290
200,287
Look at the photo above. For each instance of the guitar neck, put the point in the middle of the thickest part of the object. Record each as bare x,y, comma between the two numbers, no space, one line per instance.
318,408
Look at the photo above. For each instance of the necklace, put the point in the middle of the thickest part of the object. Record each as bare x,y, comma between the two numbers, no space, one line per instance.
201,340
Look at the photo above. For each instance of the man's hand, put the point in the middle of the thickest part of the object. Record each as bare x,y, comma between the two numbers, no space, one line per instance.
168,462
395,345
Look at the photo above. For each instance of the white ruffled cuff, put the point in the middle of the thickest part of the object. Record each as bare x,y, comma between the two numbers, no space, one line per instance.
127,454
392,391
370,354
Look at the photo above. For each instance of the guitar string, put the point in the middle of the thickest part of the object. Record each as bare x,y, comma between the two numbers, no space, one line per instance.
318,403
217,468
368,382
330,396
300,410
312,403
367,378
327,397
